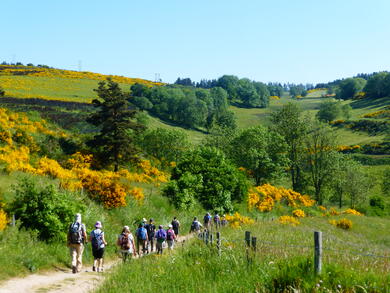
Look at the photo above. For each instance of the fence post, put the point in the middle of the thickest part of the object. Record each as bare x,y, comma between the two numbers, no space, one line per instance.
13,223
219,242
207,237
211,238
317,251
248,238
254,242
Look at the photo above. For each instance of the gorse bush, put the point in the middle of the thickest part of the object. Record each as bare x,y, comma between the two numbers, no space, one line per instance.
45,210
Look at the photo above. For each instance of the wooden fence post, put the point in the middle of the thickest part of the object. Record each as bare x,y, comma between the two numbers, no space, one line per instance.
248,238
317,252
219,242
13,223
207,237
254,244
211,238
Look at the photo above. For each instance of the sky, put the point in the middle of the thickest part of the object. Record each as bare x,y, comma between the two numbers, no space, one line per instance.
299,41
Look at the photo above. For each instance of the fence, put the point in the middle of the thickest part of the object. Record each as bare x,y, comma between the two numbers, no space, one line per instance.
251,246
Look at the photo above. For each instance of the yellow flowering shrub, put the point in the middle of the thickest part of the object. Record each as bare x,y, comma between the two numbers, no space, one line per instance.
342,223
322,208
236,220
265,196
352,212
288,220
3,220
299,213
274,98
381,113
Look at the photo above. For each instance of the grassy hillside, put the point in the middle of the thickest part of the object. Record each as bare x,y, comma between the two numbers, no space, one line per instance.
56,84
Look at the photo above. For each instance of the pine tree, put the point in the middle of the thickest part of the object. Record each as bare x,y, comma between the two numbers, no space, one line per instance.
116,120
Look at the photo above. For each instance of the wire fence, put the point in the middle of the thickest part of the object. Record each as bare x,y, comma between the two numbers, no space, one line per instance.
251,243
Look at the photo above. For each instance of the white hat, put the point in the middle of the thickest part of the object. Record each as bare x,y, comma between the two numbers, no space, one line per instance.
170,225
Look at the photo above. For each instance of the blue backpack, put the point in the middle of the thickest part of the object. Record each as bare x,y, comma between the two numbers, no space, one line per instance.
161,235
141,233
97,239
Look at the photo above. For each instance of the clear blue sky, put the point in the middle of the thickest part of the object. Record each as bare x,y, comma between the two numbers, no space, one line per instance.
279,40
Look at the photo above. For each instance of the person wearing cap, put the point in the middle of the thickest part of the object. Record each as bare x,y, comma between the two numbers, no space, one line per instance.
126,243
76,238
161,236
170,237
98,245
176,226
142,238
151,229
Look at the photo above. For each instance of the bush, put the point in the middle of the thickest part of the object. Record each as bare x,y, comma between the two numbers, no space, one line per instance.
45,210
2,92
377,202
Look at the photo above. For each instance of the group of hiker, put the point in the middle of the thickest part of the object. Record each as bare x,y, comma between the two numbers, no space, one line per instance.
209,222
147,239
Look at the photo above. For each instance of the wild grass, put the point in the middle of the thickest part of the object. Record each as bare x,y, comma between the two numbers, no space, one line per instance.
283,262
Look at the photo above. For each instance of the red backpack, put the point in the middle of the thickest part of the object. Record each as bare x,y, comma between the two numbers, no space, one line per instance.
125,242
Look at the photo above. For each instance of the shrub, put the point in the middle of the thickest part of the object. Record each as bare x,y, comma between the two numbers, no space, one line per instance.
343,223
377,202
2,92
44,209
288,220
3,220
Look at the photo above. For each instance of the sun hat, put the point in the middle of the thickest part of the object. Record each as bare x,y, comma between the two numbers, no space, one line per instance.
143,220
98,224
170,225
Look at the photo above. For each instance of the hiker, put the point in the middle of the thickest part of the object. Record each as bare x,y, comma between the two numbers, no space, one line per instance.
224,222
176,226
151,230
170,237
161,236
142,238
207,221
77,237
98,244
195,226
126,243
217,221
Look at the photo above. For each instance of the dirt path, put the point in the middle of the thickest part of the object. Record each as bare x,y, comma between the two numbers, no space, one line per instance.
62,281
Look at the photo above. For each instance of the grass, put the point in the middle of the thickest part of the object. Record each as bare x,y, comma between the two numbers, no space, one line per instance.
283,263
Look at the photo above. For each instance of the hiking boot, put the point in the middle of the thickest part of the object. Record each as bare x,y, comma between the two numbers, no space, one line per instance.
94,268
74,269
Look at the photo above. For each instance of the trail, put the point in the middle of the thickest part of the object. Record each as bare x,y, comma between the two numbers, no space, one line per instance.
62,280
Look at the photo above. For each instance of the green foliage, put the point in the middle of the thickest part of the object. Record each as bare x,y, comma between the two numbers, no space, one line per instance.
261,151
386,182
378,85
206,175
2,92
349,87
297,90
114,143
44,209
288,122
331,110
166,145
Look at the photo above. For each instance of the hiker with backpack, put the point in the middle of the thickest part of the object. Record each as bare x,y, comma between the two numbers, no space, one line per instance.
207,221
161,236
217,221
98,244
142,238
224,222
151,229
175,225
76,238
195,226
126,243
171,236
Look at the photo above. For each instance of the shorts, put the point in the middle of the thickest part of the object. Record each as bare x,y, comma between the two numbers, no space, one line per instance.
98,253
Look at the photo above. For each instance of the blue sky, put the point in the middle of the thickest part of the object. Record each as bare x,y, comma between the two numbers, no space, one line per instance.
280,40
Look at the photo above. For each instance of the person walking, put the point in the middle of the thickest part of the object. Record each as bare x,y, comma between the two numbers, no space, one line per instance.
151,229
195,226
170,237
207,221
76,238
126,243
142,238
176,226
161,236
98,244
217,221
224,222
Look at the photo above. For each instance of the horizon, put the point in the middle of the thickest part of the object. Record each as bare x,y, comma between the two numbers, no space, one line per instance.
284,42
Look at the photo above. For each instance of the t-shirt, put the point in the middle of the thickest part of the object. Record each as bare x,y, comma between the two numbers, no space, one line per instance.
130,238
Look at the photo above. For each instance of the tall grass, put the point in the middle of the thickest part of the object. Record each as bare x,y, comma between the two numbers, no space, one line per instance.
283,262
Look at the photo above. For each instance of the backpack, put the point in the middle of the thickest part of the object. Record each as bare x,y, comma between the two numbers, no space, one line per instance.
141,233
175,225
216,219
161,235
125,243
150,228
97,239
170,235
75,233
195,226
